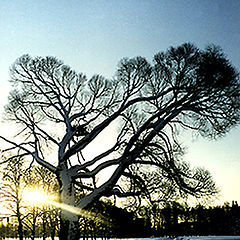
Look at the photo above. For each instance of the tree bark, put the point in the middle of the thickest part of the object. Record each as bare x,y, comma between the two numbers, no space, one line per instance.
69,222
20,225
69,229
44,225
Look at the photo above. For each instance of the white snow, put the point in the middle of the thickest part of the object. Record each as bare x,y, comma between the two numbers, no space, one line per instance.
187,238
209,238
165,238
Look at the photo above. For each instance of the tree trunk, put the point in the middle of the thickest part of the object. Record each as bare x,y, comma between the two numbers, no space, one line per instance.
34,221
44,225
20,225
69,229
20,231
53,229
69,224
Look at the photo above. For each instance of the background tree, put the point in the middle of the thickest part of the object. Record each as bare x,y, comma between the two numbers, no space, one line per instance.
16,180
49,217
42,218
63,112
11,191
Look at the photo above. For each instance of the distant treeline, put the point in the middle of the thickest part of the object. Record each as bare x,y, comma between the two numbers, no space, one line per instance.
107,220
173,219
176,219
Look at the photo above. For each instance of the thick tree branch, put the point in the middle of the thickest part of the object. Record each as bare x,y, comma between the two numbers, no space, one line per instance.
33,154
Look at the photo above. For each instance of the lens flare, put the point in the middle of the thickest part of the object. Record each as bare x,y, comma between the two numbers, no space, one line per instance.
66,207
80,212
37,196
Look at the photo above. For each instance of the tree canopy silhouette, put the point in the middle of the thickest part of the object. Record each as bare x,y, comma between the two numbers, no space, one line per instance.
63,111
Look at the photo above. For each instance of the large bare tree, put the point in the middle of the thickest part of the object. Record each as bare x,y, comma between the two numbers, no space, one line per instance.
62,111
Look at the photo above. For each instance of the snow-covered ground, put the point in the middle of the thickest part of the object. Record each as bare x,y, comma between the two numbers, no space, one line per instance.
188,238
163,238
209,238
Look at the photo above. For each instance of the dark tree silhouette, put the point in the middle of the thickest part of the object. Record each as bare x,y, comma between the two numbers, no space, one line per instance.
11,191
15,181
40,178
65,112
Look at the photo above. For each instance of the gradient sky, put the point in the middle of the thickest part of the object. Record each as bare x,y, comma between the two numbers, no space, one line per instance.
93,35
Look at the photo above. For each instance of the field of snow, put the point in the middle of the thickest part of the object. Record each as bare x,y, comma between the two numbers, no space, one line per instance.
209,238
163,238
188,238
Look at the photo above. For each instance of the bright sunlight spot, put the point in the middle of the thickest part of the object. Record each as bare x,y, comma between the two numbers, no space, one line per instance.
36,196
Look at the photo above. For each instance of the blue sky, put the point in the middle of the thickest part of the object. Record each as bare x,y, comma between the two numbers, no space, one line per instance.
93,35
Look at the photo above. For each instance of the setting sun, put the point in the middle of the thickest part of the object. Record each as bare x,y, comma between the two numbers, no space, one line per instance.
35,196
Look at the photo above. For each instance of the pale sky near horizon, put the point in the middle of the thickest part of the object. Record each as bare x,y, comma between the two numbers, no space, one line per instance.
92,36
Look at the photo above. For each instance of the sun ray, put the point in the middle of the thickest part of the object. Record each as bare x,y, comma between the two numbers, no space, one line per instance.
37,196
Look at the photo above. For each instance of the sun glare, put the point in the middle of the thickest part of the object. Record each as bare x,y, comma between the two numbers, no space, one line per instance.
35,196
